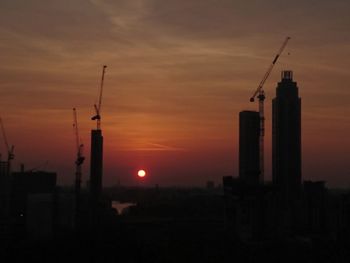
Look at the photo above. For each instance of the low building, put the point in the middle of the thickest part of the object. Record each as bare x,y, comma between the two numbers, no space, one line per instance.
250,209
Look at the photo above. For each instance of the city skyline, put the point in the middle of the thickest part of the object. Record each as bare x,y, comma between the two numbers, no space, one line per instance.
174,86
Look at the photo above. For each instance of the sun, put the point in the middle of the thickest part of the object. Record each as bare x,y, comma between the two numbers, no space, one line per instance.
141,173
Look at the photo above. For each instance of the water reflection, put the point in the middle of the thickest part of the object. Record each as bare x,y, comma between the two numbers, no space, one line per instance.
122,208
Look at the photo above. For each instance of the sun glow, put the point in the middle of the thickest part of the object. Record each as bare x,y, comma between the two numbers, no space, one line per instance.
141,173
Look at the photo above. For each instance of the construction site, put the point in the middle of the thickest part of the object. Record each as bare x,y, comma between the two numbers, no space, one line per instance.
245,216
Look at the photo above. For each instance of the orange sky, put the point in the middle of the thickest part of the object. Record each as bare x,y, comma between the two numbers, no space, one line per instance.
178,74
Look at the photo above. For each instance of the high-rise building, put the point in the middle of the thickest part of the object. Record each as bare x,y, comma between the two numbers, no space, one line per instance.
96,164
286,138
249,128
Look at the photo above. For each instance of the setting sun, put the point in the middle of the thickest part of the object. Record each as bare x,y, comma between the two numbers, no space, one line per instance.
141,173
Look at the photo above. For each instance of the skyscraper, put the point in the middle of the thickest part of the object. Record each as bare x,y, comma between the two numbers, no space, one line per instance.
286,138
96,164
249,128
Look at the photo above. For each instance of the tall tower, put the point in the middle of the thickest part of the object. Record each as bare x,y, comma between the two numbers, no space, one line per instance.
96,164
286,138
96,159
249,129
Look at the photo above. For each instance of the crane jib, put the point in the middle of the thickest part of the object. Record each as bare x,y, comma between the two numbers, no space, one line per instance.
261,98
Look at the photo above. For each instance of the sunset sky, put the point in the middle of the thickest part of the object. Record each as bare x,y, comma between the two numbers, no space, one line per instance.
179,72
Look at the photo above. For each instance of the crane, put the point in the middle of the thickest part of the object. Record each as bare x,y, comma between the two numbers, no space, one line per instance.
97,117
80,158
10,154
260,94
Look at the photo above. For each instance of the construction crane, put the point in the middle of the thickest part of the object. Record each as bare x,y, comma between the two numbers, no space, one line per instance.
80,158
260,94
10,154
97,107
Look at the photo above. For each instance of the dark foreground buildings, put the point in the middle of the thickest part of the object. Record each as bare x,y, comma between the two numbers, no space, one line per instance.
27,201
282,221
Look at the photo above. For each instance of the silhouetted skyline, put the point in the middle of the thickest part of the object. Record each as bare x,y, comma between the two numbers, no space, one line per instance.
179,72
176,114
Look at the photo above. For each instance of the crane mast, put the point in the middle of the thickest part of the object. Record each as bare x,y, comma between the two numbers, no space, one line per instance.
97,107
80,158
10,150
260,94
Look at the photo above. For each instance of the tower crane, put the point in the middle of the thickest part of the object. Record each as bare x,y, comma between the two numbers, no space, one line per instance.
97,107
80,158
260,94
10,154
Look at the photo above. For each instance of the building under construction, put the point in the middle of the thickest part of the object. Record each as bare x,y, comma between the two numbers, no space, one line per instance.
96,158
96,164
249,128
260,95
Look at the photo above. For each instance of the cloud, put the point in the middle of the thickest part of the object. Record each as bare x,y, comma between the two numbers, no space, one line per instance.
157,147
